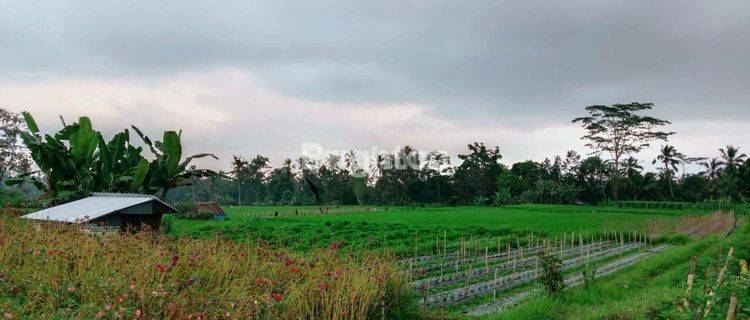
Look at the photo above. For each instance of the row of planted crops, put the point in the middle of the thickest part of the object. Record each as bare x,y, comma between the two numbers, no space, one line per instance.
470,276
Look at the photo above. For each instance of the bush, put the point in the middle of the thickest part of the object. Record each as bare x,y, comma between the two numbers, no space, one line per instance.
189,211
552,273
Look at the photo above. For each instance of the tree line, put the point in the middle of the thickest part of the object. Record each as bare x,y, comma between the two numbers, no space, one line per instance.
480,179
77,160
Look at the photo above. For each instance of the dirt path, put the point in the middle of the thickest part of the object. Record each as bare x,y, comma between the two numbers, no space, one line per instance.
570,281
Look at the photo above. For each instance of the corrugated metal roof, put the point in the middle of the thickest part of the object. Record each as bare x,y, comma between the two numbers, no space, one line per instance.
98,205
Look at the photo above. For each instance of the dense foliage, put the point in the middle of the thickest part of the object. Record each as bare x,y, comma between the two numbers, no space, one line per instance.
480,179
77,161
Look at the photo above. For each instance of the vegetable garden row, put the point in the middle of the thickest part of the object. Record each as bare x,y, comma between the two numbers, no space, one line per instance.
477,282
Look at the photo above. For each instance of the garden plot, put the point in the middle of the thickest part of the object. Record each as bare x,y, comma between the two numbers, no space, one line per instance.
529,273
570,281
491,266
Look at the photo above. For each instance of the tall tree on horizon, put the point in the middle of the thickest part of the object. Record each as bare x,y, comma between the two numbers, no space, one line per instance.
732,160
669,158
14,160
621,130
240,173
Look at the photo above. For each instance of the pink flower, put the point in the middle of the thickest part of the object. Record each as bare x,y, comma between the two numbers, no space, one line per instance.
338,274
160,267
138,313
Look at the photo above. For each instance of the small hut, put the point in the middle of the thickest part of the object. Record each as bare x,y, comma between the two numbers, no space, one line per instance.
211,207
108,212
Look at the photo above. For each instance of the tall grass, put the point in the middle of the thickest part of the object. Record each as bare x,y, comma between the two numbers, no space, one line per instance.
57,271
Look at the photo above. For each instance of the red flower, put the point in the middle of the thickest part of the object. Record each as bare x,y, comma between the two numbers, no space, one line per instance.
277,297
174,260
293,270
338,274
334,246
323,286
160,267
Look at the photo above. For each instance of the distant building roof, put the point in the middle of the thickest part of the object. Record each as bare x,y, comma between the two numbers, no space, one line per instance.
212,207
98,205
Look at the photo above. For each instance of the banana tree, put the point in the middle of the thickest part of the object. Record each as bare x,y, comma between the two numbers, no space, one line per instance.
168,170
65,160
76,160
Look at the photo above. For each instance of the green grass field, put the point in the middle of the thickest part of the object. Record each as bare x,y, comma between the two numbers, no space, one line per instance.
398,229
649,289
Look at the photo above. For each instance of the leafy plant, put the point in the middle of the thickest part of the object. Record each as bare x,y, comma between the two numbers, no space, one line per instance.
552,277
77,161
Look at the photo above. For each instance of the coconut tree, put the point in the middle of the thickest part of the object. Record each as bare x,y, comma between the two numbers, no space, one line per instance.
438,161
239,171
712,171
669,158
732,158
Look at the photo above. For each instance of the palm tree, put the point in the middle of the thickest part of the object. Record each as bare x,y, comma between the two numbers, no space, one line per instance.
333,162
712,173
670,159
732,158
351,164
713,169
239,171
631,167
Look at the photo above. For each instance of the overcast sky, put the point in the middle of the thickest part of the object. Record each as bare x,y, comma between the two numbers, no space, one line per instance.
251,77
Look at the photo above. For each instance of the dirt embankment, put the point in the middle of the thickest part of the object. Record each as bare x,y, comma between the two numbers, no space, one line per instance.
701,226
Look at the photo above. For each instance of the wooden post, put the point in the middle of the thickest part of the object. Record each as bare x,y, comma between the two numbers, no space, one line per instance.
486,260
445,243
494,287
499,246
719,281
509,251
437,245
690,283
732,307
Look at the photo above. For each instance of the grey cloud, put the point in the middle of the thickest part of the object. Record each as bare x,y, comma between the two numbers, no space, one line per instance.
480,61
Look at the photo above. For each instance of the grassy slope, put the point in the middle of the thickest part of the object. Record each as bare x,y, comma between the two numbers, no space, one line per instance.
397,227
642,291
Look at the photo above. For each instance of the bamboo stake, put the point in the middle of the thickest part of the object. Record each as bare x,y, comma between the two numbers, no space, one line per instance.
494,287
690,283
719,281
445,242
499,246
486,259
508,251
732,307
